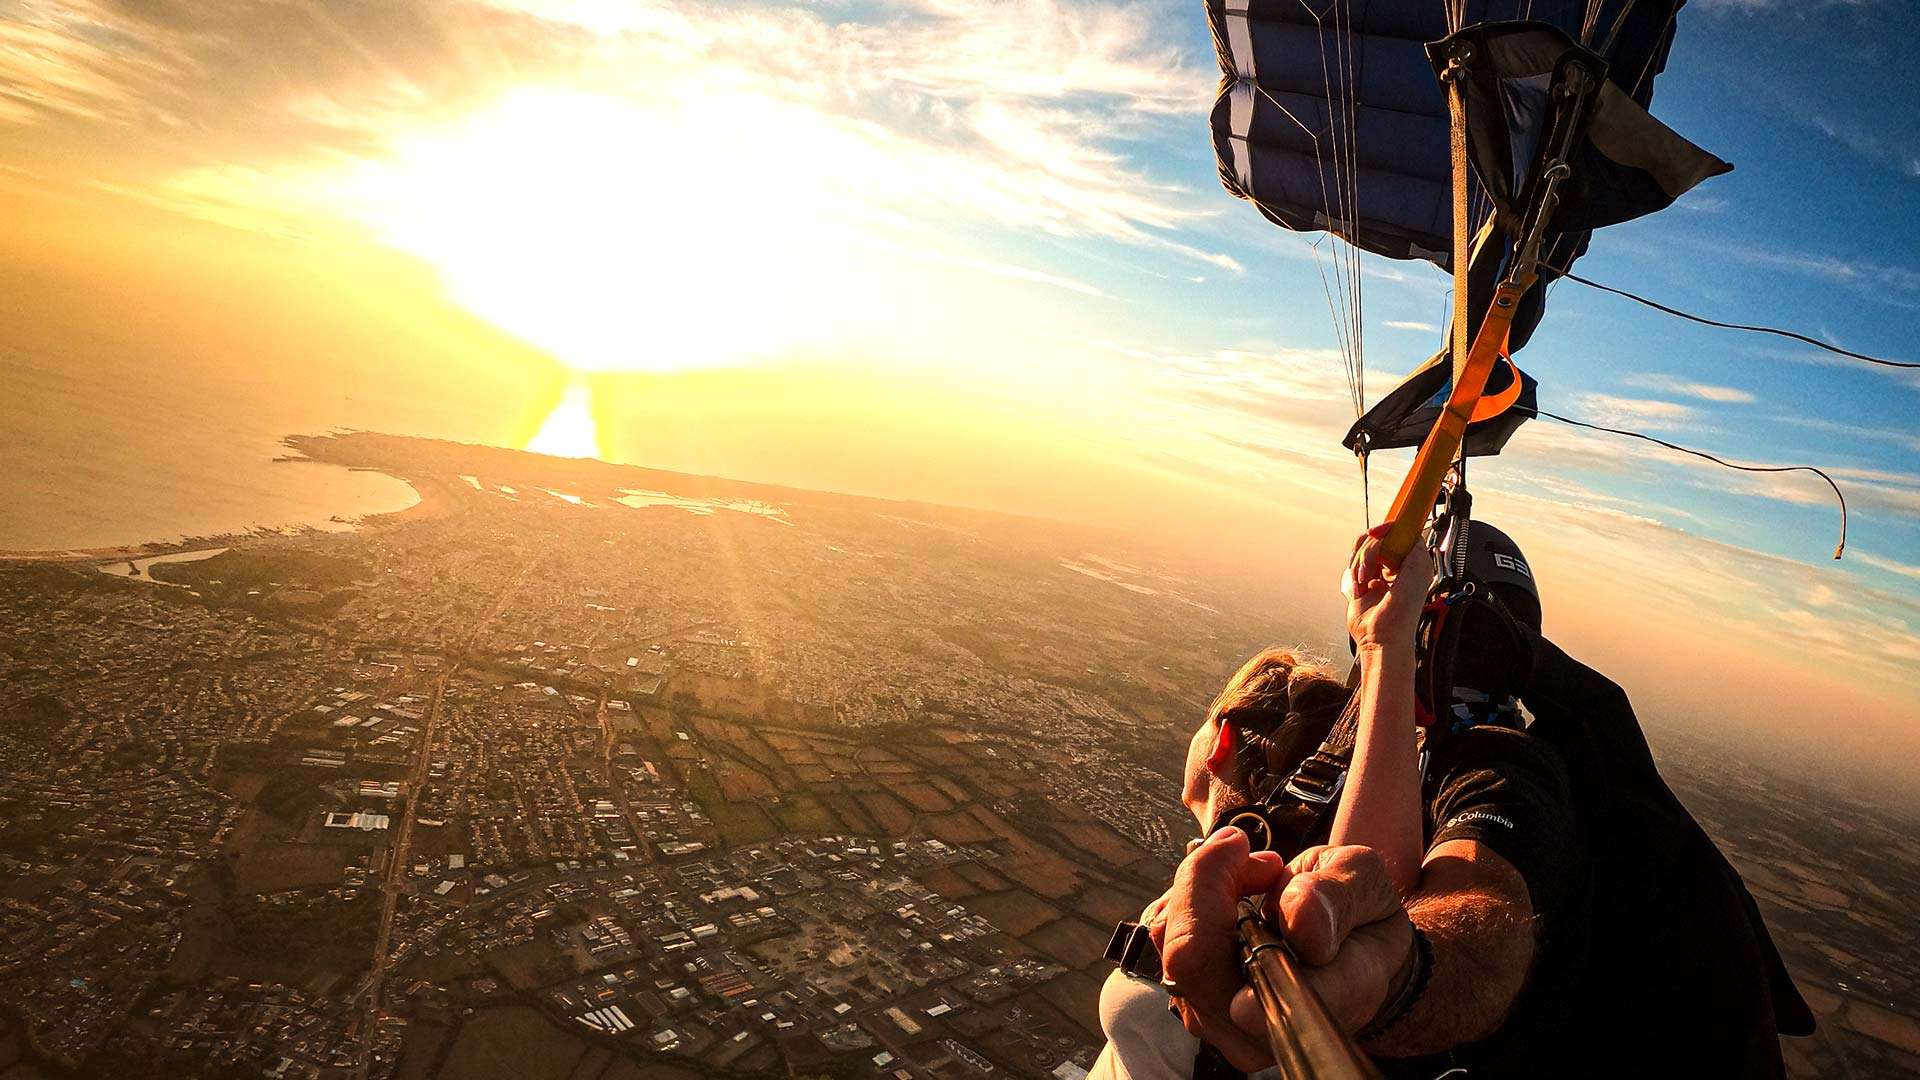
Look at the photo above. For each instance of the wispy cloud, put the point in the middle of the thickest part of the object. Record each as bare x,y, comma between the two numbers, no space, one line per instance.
1728,585
1615,411
1895,285
1002,269
1904,439
1669,384
1010,113
1251,419
1882,149
1701,203
1755,7
1405,324
1891,566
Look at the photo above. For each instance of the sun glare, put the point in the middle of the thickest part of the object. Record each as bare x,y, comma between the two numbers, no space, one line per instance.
570,430
617,233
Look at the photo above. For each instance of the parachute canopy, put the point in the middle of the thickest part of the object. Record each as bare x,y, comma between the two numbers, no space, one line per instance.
1330,118
1626,163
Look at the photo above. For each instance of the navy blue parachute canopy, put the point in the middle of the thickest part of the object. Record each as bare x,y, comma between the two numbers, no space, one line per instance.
1330,118
1624,164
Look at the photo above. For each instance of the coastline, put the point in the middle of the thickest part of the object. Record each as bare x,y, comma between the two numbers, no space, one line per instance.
432,500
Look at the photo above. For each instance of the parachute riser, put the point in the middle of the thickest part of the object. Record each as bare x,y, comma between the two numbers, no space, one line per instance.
1575,85
1435,458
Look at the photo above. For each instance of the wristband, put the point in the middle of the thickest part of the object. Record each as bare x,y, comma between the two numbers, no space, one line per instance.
1402,1003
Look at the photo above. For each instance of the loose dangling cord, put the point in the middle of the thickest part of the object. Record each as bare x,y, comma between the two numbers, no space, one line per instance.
1360,450
1839,549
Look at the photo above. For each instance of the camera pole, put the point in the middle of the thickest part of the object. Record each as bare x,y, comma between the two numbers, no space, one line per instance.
1307,1044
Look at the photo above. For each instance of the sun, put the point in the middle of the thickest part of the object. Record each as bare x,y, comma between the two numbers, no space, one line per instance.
617,233
570,430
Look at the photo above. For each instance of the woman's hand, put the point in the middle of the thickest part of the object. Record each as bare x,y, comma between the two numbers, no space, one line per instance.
1199,947
1384,602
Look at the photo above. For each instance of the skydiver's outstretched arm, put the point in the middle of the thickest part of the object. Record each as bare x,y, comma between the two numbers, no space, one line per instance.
1381,806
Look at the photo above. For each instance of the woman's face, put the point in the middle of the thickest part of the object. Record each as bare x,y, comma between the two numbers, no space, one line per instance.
1202,792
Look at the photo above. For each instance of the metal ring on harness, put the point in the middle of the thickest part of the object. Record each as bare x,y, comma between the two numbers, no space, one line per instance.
1254,820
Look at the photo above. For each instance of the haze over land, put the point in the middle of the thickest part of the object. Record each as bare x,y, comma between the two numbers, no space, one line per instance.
130,423
576,769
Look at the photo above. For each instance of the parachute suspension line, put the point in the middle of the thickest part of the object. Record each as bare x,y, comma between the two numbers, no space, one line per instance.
1838,550
1619,21
1350,110
1704,321
1339,204
1335,310
1590,21
1337,168
1341,210
1646,69
1343,130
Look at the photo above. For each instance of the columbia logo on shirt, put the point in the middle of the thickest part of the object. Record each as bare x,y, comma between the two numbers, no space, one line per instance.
1480,816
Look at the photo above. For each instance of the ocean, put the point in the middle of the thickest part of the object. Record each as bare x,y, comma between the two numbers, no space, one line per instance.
105,454
149,371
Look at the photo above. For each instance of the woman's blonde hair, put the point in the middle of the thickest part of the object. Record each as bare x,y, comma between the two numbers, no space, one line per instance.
1280,707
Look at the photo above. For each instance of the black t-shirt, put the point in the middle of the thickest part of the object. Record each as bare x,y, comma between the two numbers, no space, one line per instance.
1508,790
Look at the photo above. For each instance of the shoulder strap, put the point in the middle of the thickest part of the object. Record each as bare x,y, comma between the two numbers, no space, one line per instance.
1297,807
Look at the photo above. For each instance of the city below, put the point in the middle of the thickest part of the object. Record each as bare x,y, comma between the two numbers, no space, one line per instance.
577,771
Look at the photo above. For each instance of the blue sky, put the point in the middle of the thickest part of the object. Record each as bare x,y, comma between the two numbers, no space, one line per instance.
1817,229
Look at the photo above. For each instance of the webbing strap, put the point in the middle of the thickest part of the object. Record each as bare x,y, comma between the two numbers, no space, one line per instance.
1435,457
1471,364
1457,117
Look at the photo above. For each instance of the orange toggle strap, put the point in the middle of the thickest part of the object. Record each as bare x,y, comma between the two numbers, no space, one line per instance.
1492,405
1430,465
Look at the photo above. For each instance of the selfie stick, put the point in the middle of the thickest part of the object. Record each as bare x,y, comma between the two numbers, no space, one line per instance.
1307,1044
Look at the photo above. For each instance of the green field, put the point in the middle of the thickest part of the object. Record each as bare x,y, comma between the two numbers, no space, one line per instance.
738,822
512,1043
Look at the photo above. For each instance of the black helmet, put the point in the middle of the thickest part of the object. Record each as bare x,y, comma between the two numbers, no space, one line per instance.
1476,645
1484,554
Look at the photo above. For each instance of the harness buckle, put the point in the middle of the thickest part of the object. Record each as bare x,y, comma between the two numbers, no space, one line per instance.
1131,947
1319,779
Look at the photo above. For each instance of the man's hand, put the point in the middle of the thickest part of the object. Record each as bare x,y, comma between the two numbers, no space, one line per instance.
1384,602
1337,909
1342,916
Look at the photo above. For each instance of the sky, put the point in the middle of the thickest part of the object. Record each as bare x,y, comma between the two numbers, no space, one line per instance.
975,251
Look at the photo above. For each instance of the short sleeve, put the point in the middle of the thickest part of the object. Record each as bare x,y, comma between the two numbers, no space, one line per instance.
1509,791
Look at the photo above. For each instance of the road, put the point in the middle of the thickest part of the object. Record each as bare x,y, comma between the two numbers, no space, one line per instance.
615,782
400,854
